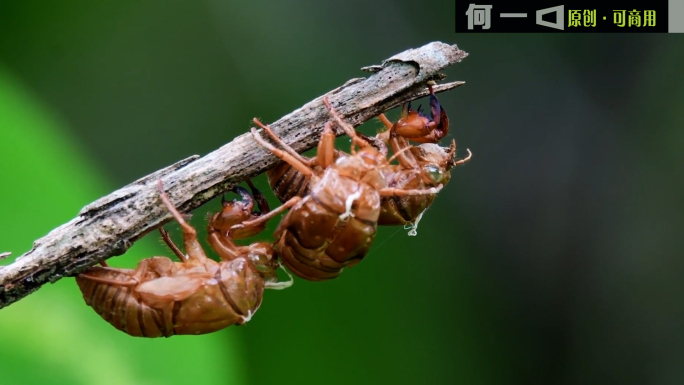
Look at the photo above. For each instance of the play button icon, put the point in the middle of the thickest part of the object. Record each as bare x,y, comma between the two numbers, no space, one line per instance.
560,20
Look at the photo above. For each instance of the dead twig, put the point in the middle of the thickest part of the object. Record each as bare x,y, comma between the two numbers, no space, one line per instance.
110,225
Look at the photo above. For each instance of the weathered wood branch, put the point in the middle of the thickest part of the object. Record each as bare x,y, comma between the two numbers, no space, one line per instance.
110,225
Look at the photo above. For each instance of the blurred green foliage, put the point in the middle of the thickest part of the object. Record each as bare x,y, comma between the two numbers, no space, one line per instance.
52,337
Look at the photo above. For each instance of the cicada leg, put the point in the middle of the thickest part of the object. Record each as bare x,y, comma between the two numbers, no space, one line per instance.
169,242
192,245
282,144
135,276
265,218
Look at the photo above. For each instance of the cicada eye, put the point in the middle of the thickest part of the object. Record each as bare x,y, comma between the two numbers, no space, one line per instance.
260,261
433,172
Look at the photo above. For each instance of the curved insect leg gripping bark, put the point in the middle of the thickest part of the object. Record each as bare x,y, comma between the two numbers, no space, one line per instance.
197,295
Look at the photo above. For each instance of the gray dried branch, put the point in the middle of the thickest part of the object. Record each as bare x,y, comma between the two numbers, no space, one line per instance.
109,226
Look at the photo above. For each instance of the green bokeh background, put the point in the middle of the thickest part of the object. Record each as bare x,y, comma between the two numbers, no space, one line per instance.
554,256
